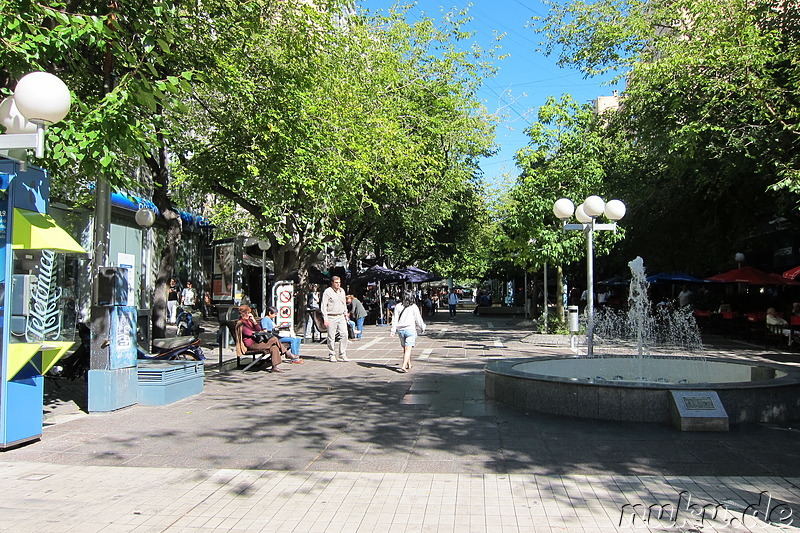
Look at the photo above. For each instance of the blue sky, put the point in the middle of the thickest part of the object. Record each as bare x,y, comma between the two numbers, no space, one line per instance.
525,79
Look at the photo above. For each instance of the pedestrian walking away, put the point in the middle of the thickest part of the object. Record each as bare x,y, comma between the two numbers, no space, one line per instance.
172,302
405,321
452,302
334,313
312,304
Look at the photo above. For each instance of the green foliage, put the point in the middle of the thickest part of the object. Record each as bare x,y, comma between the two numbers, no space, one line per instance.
304,123
363,130
113,62
565,158
709,117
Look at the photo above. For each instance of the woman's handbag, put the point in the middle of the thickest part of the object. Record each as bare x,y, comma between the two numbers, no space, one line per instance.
261,336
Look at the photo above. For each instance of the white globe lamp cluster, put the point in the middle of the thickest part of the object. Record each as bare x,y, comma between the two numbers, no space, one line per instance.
590,209
586,214
39,99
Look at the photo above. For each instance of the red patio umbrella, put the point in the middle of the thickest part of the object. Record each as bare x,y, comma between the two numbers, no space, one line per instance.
784,281
793,273
751,276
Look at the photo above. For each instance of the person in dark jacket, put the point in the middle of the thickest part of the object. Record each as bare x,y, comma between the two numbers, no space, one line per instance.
357,314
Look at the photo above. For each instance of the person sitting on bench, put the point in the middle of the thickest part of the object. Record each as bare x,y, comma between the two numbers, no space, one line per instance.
268,324
269,344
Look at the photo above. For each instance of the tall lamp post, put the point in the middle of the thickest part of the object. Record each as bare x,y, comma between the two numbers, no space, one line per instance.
587,213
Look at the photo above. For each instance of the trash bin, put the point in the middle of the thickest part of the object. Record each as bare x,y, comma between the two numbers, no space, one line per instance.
572,319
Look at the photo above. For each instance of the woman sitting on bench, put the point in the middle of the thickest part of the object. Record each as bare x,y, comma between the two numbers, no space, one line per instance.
268,324
269,344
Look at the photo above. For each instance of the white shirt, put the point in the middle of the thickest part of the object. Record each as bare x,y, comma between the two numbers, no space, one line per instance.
774,320
684,297
334,302
407,318
188,295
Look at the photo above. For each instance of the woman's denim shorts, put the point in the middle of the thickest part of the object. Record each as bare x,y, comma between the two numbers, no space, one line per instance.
408,337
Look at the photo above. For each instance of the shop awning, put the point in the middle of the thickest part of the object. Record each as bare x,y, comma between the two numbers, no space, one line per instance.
37,231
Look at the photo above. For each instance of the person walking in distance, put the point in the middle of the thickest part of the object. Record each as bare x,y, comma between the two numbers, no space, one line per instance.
312,304
334,314
172,301
188,297
405,320
452,302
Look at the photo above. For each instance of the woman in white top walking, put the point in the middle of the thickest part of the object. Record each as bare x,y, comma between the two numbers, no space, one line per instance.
405,319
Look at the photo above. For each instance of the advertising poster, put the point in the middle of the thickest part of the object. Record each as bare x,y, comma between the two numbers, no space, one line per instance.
222,277
122,350
128,261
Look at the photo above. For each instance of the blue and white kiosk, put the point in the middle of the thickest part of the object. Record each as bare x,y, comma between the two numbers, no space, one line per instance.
36,328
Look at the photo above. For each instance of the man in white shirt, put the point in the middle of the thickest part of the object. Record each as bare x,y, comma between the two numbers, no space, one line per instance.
334,313
188,297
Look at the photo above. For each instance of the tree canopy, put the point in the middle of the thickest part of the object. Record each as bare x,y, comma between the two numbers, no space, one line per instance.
708,121
362,130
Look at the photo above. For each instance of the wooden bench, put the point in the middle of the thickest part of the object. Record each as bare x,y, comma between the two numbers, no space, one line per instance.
318,324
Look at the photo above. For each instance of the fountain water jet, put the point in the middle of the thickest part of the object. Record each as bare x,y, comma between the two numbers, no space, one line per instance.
635,385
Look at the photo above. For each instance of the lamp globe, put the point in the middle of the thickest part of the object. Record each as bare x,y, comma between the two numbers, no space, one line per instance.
42,98
563,208
594,206
580,214
615,210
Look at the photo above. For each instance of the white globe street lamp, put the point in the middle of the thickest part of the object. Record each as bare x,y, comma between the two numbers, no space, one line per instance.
145,217
39,99
587,213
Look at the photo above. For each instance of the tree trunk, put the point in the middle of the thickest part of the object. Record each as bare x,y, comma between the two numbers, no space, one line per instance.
166,267
169,252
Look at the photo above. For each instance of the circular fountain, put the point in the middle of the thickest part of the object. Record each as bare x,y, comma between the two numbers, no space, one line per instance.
638,386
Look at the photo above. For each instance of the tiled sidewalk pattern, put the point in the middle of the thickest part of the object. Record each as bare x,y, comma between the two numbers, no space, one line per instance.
57,498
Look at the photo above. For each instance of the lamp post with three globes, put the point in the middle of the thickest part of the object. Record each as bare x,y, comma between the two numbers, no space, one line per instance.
587,213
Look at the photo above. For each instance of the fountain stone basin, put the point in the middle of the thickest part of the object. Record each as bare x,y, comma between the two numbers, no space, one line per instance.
634,389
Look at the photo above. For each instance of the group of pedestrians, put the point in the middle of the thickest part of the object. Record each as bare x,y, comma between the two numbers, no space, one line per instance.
176,297
334,307
337,309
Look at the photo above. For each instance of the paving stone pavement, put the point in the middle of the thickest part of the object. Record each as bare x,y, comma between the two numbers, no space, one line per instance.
360,447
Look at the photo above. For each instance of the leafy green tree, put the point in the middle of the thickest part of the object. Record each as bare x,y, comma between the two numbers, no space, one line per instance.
355,131
711,109
566,157
122,64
